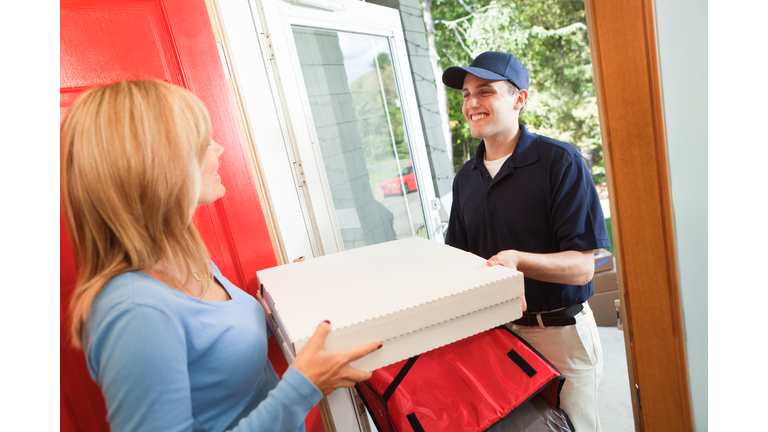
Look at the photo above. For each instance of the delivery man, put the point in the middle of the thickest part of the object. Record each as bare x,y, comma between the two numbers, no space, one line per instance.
528,202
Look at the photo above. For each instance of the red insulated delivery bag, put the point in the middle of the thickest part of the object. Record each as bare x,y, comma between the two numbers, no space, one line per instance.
491,380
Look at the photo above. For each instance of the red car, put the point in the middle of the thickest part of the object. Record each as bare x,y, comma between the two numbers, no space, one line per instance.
396,186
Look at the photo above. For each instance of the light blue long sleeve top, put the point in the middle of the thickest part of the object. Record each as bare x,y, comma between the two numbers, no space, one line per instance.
166,361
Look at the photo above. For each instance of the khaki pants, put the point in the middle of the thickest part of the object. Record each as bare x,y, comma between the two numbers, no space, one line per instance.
576,352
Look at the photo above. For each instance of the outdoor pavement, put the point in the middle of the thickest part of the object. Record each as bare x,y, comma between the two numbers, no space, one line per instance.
396,204
613,397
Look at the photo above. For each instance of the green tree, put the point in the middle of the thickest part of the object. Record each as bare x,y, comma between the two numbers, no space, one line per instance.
550,38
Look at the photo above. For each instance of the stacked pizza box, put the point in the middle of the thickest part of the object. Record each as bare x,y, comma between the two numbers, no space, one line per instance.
413,295
606,289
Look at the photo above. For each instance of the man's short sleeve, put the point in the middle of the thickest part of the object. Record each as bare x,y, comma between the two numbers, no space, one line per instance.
456,235
577,216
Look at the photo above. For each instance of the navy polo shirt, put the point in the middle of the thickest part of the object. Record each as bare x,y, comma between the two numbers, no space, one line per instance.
542,200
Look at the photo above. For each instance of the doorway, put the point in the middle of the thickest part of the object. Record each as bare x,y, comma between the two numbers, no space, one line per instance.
623,66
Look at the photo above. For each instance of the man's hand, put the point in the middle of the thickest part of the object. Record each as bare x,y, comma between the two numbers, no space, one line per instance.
507,258
567,267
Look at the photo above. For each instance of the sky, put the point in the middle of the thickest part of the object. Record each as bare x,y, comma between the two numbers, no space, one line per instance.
359,51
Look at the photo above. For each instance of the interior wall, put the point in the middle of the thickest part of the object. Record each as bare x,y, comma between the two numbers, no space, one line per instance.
682,42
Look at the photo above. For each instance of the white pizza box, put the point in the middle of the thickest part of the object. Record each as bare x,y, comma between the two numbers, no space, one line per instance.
413,295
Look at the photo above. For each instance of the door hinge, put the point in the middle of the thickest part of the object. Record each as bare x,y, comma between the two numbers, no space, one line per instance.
300,174
266,47
617,303
639,403
224,60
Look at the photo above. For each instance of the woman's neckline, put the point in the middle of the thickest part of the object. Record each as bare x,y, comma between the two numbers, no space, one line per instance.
215,280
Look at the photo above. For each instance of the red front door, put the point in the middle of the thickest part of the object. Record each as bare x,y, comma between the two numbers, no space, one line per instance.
104,41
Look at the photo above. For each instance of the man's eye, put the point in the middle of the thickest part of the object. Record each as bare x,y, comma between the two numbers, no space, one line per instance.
465,95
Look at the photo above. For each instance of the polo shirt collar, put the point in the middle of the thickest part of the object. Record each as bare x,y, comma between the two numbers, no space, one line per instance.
526,151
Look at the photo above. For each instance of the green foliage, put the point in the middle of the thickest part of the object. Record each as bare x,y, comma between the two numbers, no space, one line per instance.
550,38
383,61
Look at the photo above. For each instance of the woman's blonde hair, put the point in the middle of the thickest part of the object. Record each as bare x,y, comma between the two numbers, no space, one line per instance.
131,155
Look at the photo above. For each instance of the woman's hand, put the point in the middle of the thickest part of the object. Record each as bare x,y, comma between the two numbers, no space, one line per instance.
330,370
509,259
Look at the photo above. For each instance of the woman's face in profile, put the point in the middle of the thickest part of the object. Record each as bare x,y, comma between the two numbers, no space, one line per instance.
210,182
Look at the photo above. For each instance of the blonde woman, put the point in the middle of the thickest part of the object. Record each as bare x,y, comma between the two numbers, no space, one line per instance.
173,345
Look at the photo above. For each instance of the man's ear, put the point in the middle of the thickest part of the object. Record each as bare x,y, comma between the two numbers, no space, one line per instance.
522,97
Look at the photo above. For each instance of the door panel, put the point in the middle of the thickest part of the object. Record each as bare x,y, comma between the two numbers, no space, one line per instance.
94,38
79,393
103,41
65,424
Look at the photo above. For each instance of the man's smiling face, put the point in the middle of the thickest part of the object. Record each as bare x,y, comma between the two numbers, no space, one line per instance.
489,108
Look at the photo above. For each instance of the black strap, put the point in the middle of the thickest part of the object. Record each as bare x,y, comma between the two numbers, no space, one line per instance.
532,321
400,375
520,361
415,424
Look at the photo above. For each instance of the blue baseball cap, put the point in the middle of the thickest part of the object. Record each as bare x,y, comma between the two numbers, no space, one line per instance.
490,65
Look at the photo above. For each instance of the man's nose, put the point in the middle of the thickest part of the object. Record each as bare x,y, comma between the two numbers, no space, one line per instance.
471,101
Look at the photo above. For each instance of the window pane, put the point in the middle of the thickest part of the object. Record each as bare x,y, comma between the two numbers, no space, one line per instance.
355,107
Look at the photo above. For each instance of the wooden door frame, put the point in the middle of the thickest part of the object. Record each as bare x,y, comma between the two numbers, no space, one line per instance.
622,37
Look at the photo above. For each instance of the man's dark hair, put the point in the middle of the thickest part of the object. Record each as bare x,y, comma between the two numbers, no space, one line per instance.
512,90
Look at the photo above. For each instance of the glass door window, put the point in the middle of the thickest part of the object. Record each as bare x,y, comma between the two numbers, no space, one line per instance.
335,123
361,133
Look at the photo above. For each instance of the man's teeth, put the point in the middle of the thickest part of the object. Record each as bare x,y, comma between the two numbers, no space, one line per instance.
479,116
